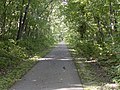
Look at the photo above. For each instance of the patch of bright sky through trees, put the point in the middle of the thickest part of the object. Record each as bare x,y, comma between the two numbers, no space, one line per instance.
64,2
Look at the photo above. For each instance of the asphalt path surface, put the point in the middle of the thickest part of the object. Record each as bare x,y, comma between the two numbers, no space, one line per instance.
56,71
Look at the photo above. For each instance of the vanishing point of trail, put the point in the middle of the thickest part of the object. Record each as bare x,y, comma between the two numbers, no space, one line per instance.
56,71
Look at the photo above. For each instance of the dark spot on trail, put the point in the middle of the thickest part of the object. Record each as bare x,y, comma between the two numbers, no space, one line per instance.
64,68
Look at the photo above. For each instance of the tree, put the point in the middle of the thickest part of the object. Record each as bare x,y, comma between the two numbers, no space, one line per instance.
93,29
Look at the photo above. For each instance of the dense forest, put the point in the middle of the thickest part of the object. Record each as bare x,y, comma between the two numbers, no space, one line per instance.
24,29
25,33
94,31
29,27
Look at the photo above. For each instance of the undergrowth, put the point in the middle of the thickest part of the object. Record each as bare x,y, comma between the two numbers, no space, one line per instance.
16,58
93,76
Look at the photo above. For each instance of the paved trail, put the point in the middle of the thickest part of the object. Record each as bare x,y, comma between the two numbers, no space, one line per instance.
54,72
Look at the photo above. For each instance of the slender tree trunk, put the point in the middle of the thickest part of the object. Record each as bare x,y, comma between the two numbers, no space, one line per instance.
112,24
3,19
26,25
20,22
100,35
115,20
25,16
25,30
100,29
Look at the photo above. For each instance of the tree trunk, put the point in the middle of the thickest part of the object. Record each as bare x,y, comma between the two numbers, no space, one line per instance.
115,20
20,22
3,19
112,24
25,16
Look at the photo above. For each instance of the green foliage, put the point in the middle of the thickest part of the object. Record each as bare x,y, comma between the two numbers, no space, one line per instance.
10,54
24,31
94,31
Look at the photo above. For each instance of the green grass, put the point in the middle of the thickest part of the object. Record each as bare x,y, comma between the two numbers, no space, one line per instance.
7,80
92,76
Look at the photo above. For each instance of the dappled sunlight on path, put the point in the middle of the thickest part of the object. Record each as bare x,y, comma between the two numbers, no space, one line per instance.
56,71
72,87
